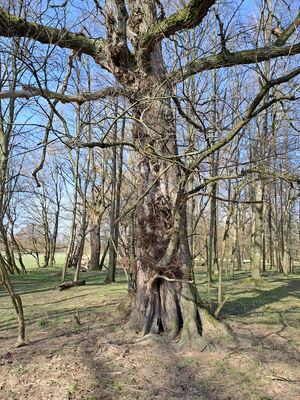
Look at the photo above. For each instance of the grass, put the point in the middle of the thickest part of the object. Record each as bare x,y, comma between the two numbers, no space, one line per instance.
275,301
30,261
276,295
265,319
45,306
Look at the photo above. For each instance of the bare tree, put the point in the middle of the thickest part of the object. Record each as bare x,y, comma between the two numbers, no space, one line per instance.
132,52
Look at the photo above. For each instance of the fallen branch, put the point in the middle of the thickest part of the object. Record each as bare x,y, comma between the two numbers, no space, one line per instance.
275,377
68,285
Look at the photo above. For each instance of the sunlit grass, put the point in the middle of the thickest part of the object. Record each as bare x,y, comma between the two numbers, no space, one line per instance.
46,307
30,261
275,302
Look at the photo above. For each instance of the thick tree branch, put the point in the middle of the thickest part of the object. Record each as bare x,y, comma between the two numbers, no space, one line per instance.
115,19
229,200
11,26
31,91
158,276
187,18
283,38
228,60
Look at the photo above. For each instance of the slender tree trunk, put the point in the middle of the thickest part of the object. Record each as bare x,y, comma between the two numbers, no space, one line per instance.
56,220
84,212
71,245
236,248
54,239
257,232
80,248
287,260
16,246
16,301
95,243
271,247
213,258
102,260
117,171
112,252
190,91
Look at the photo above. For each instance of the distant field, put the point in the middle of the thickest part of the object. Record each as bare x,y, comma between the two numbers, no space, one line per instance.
30,261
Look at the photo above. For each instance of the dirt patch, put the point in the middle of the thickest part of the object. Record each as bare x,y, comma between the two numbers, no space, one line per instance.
103,363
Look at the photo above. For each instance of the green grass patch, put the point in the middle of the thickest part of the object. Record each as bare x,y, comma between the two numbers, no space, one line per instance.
274,303
47,308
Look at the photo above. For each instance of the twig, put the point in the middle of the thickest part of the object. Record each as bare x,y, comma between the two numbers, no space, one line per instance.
282,378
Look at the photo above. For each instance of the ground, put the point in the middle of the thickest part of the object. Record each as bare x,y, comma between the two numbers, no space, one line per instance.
97,359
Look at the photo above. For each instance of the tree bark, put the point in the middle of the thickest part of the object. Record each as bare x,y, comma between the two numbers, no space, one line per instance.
257,233
95,243
162,250
16,301
236,248
112,251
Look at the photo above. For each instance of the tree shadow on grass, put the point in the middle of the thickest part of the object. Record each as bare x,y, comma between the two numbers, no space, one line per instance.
46,280
23,288
54,318
243,306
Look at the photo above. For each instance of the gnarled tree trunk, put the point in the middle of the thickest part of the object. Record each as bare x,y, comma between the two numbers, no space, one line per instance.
165,298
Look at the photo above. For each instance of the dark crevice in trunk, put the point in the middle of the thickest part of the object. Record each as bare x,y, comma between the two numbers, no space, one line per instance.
180,317
198,323
159,323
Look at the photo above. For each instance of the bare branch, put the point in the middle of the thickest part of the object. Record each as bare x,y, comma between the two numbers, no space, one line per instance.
102,145
186,116
229,59
50,121
31,91
284,36
157,276
286,177
187,18
249,114
11,26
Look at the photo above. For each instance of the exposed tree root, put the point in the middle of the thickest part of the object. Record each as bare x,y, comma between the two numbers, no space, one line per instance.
125,307
255,282
173,314
21,343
